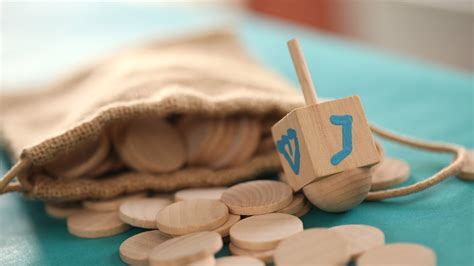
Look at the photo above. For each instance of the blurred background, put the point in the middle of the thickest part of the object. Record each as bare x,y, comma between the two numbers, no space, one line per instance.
40,39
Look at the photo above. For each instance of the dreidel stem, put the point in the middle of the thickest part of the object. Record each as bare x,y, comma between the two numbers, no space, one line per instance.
302,72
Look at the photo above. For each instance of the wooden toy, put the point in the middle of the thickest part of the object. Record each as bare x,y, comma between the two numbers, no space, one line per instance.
135,250
111,204
257,197
296,205
315,246
186,249
361,237
92,224
398,254
224,229
61,212
189,216
467,170
388,173
321,140
213,193
142,212
264,232
239,260
264,255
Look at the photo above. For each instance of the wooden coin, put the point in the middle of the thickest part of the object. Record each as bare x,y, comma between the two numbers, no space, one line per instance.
198,133
189,216
208,261
61,212
315,246
224,229
398,254
231,127
239,261
213,193
264,255
388,173
296,205
339,192
218,135
306,208
257,197
81,160
467,170
152,145
142,212
252,141
135,250
282,177
110,164
92,224
360,237
266,145
111,204
264,232
186,249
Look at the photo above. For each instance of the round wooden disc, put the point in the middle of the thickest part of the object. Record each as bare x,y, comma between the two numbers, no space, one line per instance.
81,160
207,261
231,127
135,250
224,229
186,249
257,197
152,145
218,136
388,173
62,212
252,141
189,216
360,237
264,255
111,204
264,232
296,205
239,261
339,192
142,212
398,254
213,193
315,246
110,164
467,170
92,224
197,132
306,208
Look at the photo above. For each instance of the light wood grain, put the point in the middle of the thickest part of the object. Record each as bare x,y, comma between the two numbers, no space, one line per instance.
186,249
315,246
135,250
388,173
340,192
257,197
81,160
467,171
302,72
189,216
361,237
208,261
239,261
319,140
213,193
92,224
224,229
152,145
398,254
303,211
264,232
142,212
111,204
296,205
62,212
264,255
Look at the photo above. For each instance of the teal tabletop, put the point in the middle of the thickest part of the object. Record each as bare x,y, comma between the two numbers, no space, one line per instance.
403,95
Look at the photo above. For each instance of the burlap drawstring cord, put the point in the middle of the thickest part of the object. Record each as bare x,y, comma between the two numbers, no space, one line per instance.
452,169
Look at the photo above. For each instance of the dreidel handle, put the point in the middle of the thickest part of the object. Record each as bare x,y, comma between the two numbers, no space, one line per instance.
302,72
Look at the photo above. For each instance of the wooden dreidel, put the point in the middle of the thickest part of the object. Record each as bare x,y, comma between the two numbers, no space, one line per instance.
326,148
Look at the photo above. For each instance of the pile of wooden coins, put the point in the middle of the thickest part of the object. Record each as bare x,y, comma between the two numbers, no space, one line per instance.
153,145
258,218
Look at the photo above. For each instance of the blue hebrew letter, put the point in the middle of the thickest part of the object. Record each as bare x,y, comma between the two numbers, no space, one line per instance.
346,122
291,154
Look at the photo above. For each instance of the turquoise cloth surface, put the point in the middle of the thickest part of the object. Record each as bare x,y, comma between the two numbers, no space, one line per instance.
402,95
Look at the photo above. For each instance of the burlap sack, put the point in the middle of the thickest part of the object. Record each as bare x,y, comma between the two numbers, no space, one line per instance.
208,74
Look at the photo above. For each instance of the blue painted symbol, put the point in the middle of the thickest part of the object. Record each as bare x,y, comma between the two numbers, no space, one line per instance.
346,122
291,153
